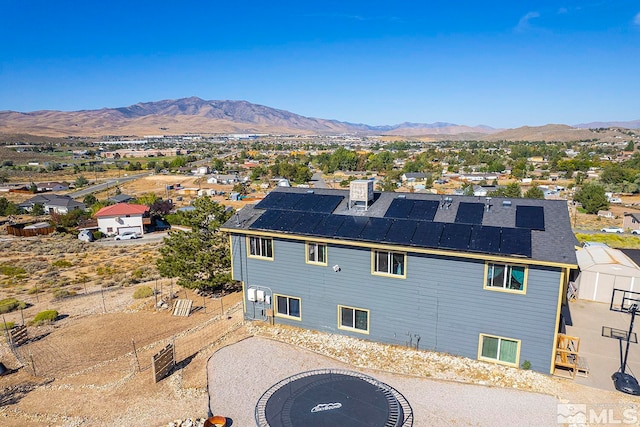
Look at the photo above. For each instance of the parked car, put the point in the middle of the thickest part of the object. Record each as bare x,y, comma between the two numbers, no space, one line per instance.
612,230
635,231
85,236
127,235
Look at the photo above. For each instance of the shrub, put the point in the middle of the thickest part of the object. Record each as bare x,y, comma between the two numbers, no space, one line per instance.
11,304
11,270
143,292
98,235
63,293
526,365
5,326
44,317
62,263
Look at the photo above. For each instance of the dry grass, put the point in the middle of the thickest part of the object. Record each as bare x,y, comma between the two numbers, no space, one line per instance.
51,265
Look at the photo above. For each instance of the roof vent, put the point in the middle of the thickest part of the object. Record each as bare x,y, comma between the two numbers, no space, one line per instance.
506,203
310,191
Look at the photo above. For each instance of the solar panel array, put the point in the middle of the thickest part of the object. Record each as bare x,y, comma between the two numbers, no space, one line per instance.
408,232
305,202
406,222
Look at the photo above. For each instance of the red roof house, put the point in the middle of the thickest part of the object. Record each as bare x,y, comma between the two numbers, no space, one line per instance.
122,217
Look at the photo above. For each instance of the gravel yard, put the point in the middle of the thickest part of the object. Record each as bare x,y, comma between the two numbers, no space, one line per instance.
240,373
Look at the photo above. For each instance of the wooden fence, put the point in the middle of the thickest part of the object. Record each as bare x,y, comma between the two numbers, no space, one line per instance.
163,362
18,230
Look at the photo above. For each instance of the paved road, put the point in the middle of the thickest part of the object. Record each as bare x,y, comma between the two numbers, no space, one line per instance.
107,184
318,181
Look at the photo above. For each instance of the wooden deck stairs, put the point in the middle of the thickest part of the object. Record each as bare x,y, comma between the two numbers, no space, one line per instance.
567,358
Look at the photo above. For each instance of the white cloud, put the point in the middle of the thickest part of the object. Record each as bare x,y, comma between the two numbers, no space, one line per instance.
636,20
523,24
563,10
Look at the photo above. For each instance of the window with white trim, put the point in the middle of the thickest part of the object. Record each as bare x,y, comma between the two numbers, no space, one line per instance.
316,253
261,247
497,349
386,262
287,306
354,319
506,276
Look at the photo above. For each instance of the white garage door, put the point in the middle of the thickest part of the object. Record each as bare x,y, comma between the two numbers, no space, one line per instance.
125,229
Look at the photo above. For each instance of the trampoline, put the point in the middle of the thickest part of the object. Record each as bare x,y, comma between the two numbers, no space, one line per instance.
332,397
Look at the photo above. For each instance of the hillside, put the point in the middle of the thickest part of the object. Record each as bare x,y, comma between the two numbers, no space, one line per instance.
195,115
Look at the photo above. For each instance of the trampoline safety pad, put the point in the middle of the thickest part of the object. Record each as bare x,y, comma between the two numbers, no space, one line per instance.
331,397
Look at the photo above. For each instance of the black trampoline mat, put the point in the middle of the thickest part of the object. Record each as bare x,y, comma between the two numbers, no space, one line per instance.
326,398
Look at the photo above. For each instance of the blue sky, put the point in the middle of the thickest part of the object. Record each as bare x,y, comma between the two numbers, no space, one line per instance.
501,64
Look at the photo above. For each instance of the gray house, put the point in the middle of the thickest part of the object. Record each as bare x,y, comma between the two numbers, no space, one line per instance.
53,203
475,277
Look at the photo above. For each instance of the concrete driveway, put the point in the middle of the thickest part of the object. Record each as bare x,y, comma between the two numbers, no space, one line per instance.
602,354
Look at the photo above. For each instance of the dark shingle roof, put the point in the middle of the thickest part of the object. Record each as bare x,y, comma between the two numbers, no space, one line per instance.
555,243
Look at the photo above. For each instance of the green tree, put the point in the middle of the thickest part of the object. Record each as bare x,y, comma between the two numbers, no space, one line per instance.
90,200
8,208
512,190
199,258
592,197
534,193
37,209
81,181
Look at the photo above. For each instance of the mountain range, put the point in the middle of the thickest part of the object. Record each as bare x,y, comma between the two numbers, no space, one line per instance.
195,115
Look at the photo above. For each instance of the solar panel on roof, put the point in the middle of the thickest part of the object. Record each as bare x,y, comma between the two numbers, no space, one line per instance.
287,221
401,231
427,234
399,208
288,201
266,220
376,229
455,236
531,217
516,241
424,210
351,227
485,239
306,203
270,200
307,222
328,226
470,213
327,203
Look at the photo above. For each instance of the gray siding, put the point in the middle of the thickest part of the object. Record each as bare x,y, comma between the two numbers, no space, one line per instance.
441,302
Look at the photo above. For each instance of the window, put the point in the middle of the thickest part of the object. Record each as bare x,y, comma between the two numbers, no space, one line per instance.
260,247
316,253
506,277
109,229
391,263
498,349
288,307
353,319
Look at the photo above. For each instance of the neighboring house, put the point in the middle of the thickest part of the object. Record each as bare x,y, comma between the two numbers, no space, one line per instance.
123,217
52,186
477,278
413,176
606,214
121,198
631,221
222,179
53,203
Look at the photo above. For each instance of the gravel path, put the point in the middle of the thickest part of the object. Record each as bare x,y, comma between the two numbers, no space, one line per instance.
240,373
